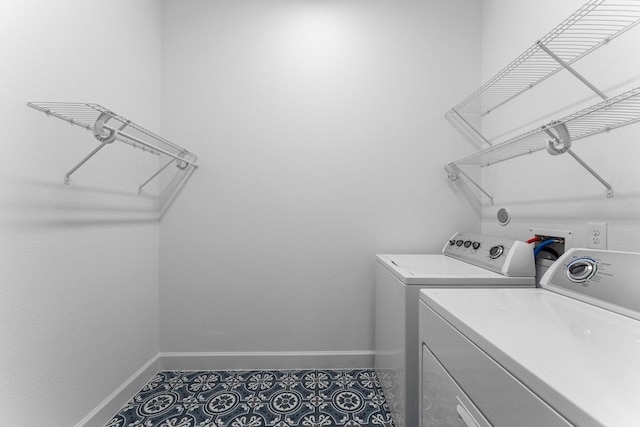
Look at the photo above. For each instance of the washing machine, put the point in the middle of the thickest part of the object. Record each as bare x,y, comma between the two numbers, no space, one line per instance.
467,260
565,354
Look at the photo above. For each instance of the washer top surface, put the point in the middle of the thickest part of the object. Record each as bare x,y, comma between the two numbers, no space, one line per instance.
565,350
439,270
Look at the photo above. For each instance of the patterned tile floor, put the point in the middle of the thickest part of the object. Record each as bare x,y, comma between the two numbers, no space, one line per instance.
287,398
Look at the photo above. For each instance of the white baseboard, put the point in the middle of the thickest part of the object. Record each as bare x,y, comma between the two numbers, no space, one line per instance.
201,361
116,400
267,360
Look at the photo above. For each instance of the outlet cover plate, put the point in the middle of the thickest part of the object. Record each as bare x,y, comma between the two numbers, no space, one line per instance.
597,235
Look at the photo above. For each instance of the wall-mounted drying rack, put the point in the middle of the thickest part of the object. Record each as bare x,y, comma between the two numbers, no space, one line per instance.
556,136
593,25
108,127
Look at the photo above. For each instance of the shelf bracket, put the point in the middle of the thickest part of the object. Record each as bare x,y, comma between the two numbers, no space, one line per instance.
454,172
571,70
594,173
561,143
82,162
104,138
466,129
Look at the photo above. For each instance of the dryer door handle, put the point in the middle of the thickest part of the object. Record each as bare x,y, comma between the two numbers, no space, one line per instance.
465,417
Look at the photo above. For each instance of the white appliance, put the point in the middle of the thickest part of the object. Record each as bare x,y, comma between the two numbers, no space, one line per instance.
564,354
467,260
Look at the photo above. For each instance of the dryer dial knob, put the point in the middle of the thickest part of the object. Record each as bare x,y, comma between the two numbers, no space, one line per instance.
476,245
496,251
581,270
459,242
467,243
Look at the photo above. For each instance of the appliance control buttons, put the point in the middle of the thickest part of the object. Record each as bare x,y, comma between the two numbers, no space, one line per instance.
476,245
459,242
496,251
452,242
467,243
582,269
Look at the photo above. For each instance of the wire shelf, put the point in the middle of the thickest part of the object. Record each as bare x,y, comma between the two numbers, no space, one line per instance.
593,25
613,113
108,126
86,115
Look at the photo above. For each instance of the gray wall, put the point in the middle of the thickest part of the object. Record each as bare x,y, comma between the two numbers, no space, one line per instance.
79,268
321,135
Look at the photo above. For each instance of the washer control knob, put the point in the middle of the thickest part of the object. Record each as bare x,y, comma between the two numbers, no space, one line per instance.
459,242
452,242
476,245
467,243
582,269
496,251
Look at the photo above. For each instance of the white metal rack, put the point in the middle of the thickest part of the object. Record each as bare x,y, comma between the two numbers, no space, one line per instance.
108,126
593,25
556,136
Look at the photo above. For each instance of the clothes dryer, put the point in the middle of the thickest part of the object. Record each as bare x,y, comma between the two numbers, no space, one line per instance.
565,354
467,260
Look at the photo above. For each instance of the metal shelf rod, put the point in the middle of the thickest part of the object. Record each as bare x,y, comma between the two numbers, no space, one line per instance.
151,146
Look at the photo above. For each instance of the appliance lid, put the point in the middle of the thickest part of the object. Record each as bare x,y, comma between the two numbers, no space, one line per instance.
438,269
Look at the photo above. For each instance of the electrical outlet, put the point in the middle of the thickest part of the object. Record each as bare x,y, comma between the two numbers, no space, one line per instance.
597,235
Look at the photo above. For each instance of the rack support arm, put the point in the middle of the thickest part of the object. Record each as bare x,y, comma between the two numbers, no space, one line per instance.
572,71
155,174
82,162
592,172
561,143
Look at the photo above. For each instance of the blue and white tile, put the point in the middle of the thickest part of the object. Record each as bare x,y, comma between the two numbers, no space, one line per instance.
274,398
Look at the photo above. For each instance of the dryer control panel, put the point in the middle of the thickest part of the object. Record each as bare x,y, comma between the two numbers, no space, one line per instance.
505,256
608,279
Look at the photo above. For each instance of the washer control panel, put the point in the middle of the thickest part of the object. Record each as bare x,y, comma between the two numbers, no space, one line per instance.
608,279
505,256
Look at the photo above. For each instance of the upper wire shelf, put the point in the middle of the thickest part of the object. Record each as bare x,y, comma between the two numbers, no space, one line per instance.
593,25
107,127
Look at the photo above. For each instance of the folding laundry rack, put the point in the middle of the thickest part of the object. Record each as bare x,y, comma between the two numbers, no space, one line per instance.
590,27
108,127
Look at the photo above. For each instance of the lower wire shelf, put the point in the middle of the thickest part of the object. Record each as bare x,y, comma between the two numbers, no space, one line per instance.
556,136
